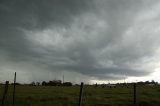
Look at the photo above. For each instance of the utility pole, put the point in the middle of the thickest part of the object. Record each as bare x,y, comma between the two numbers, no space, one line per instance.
63,79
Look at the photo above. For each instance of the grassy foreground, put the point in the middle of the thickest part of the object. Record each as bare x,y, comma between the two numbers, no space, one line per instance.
68,96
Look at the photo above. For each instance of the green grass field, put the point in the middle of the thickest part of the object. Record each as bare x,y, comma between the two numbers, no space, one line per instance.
68,96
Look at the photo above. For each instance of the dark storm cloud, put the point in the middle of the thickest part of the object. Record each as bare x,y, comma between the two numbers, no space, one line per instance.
40,14
32,15
100,39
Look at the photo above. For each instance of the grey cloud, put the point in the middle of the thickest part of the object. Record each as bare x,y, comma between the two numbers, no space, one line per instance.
40,14
85,37
32,15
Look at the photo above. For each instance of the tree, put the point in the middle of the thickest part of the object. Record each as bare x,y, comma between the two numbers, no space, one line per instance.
32,83
44,83
67,84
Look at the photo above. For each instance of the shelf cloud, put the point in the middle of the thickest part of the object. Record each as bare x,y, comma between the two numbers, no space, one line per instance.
83,39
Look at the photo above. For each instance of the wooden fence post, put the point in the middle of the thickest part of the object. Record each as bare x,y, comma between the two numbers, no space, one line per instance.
5,92
80,95
134,94
14,86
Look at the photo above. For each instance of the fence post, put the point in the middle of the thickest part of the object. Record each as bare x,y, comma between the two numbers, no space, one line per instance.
14,86
80,95
5,92
134,97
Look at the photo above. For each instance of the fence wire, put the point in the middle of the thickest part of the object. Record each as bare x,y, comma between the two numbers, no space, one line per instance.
92,96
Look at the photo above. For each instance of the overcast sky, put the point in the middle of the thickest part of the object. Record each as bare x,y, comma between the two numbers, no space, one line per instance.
84,40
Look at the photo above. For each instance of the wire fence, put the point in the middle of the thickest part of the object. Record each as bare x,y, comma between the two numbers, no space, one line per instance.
84,95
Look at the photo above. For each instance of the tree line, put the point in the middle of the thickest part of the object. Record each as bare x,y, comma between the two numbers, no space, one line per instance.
60,83
51,83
